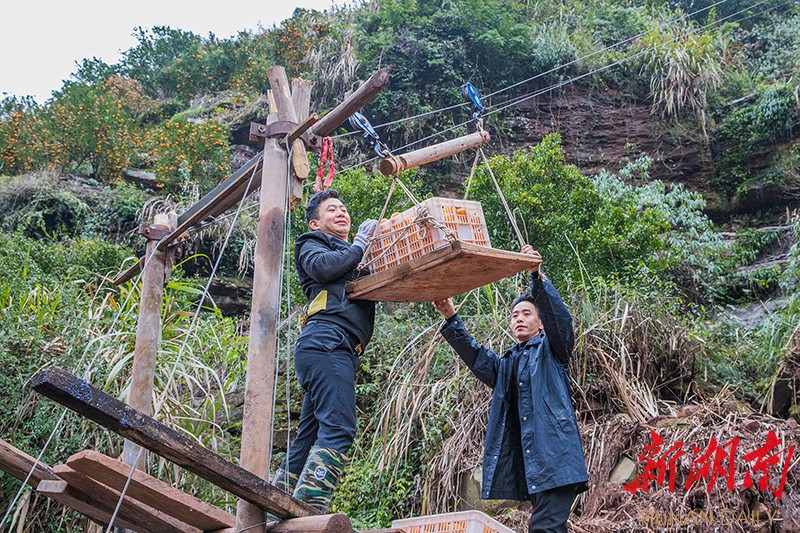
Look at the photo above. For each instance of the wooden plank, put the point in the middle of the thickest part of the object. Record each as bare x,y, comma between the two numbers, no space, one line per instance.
151,491
92,403
442,273
146,518
391,166
83,503
18,464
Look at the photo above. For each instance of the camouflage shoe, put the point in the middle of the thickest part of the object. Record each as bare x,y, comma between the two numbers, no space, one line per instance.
322,471
285,480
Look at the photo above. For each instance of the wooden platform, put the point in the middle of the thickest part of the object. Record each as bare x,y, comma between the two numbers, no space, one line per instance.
448,271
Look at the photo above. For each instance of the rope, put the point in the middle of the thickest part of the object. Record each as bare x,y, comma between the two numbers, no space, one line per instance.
323,180
191,328
471,174
511,216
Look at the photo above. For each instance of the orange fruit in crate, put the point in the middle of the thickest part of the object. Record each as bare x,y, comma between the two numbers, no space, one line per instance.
461,211
395,214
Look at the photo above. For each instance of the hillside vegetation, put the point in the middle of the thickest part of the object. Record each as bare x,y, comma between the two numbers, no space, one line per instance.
673,307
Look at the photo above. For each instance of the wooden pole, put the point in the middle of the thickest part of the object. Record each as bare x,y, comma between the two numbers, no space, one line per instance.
352,103
391,166
265,314
328,523
148,331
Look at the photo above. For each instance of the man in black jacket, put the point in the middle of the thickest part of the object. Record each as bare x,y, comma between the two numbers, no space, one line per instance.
326,354
533,445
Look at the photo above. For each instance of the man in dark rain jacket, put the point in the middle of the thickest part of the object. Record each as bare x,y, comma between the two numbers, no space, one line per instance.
326,354
533,446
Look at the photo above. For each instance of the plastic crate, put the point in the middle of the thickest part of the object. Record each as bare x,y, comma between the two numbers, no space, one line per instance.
461,522
408,235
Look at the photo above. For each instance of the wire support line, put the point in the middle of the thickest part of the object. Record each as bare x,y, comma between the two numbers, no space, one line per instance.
162,399
519,99
539,75
596,52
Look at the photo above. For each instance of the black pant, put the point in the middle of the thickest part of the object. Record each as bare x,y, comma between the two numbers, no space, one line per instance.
326,368
551,510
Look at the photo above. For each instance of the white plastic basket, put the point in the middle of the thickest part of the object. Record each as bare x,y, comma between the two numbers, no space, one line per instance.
460,522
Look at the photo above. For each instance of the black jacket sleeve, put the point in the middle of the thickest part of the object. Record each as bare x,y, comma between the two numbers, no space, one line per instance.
325,265
482,361
555,318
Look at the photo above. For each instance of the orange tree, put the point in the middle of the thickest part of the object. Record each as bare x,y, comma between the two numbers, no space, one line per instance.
25,143
182,152
98,124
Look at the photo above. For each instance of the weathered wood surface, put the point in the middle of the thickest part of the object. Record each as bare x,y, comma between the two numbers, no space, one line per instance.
301,102
148,332
391,166
450,270
65,494
18,464
151,491
86,400
145,517
265,311
330,523
352,103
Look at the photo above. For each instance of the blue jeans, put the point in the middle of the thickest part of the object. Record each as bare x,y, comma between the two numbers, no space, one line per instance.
325,364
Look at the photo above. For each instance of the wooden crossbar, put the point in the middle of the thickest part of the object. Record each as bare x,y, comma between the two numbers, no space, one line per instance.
90,402
151,491
17,463
450,270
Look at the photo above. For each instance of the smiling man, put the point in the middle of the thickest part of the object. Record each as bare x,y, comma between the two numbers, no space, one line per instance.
326,354
533,445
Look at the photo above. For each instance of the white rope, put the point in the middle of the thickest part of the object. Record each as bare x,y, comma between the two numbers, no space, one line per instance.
511,216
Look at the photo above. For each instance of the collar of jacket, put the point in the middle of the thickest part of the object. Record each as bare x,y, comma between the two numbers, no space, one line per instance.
534,341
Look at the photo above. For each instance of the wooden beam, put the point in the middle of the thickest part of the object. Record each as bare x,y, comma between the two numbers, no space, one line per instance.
391,166
329,523
148,334
65,494
450,270
256,443
301,101
352,103
18,464
216,202
92,403
151,491
145,517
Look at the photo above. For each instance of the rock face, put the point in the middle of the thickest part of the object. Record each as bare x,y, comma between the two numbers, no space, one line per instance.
604,129
601,129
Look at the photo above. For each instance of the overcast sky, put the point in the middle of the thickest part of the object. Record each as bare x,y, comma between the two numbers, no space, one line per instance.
41,41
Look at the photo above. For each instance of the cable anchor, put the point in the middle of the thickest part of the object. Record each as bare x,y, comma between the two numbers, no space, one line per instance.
360,122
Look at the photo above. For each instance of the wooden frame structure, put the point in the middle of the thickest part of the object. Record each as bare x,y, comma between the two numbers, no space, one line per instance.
93,484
